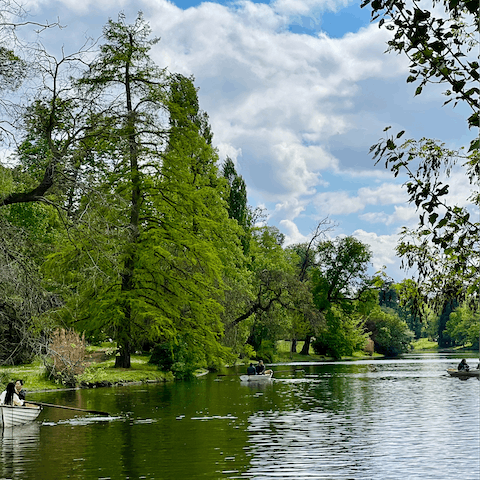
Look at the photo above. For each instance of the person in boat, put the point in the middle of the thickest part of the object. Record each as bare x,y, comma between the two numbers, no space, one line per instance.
251,370
9,396
463,366
19,390
260,369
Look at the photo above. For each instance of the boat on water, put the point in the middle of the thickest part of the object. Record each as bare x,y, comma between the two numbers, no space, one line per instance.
16,415
453,372
257,378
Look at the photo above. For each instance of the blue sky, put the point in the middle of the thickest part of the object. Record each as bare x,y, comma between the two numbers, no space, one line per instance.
297,91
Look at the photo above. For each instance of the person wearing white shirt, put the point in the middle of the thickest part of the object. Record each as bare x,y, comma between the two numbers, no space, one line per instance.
10,397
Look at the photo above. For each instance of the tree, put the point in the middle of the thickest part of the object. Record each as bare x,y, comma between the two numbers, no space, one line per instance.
390,334
147,259
463,326
342,289
439,45
306,266
403,299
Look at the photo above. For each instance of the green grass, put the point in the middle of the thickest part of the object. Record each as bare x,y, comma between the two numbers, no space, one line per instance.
283,354
34,378
424,344
140,371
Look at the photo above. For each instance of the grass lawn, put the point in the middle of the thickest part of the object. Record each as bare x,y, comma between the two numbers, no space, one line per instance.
35,379
424,344
283,354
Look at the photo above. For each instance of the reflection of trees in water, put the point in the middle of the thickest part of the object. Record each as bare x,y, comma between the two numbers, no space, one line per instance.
16,445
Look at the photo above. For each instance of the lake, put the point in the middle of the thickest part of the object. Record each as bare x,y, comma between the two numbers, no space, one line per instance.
375,419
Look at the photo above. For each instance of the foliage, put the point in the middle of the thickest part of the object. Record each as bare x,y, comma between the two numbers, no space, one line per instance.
441,44
342,292
23,296
404,299
444,339
388,331
463,326
342,274
149,255
424,344
342,335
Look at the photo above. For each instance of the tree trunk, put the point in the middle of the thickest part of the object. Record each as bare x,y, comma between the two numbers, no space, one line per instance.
293,348
306,345
123,360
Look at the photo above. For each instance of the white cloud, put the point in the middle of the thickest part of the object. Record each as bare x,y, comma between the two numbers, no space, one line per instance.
296,113
337,203
292,235
386,194
306,7
343,203
382,246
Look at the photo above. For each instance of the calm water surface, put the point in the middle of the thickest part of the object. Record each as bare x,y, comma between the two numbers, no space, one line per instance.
386,419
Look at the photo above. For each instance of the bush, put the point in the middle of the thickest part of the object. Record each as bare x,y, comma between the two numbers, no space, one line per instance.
162,356
342,335
174,357
389,332
66,356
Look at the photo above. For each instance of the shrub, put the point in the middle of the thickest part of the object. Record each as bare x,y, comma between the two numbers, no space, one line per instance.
65,356
389,332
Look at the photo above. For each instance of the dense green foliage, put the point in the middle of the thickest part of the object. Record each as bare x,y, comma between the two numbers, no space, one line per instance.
440,40
121,221
463,327
439,43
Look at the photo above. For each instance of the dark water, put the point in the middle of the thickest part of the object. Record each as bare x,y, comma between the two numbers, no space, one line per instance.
402,419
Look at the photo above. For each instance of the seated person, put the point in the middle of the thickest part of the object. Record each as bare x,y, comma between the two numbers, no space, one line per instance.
251,370
463,366
19,389
260,369
10,397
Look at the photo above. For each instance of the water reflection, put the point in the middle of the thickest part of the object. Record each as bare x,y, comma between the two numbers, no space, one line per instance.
372,420
17,445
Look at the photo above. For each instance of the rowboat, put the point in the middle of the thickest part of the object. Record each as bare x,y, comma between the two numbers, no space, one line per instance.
10,416
463,373
257,378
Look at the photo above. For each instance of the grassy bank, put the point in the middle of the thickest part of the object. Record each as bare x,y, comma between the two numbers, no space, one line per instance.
283,354
35,378
424,344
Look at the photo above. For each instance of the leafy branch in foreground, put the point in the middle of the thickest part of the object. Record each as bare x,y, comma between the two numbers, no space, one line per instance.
440,38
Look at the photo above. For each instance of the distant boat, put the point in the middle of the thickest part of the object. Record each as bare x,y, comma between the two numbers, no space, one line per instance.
463,373
10,415
257,378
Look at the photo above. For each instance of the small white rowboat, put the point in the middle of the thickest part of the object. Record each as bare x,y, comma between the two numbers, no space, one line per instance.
10,416
257,378
463,373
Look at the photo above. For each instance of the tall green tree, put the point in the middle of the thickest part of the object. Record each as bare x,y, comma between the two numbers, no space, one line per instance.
343,292
148,256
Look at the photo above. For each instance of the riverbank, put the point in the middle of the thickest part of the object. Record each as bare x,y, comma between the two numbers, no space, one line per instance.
97,374
101,371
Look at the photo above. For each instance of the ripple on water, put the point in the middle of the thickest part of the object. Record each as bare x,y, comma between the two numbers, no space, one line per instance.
394,426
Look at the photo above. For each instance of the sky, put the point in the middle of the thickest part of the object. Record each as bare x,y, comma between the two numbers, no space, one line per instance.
297,91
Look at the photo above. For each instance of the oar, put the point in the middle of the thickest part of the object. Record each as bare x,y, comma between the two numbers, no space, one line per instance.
96,412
